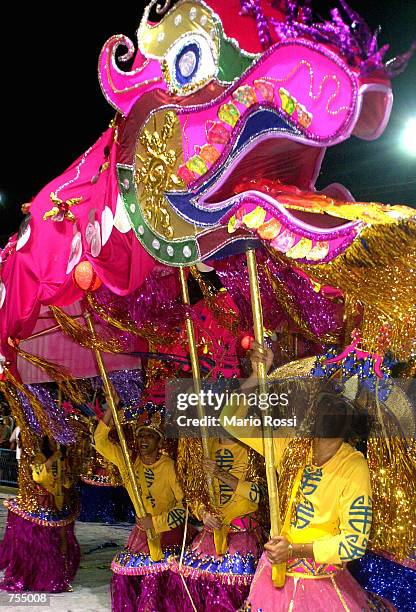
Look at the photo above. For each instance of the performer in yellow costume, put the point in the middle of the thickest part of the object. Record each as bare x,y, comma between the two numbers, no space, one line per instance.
51,472
139,583
220,563
324,486
39,551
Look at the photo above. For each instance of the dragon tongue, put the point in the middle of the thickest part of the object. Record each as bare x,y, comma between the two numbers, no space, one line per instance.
268,186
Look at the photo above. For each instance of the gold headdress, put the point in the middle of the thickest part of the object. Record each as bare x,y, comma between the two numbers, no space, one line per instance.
153,422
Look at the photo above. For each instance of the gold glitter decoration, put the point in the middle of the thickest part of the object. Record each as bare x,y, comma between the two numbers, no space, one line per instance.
377,276
61,209
164,220
392,463
294,369
409,371
156,174
81,335
227,318
97,467
80,451
188,17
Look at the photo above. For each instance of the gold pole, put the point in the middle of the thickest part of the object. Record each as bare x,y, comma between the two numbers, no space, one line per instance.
275,526
137,500
196,375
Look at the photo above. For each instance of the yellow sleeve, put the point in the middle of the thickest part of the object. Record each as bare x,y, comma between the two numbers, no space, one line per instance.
355,512
68,478
252,436
165,521
110,451
41,475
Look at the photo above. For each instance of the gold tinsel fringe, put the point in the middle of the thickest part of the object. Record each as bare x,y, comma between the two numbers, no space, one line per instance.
191,474
377,277
393,481
380,245
295,458
81,335
71,388
227,319
256,472
106,314
27,497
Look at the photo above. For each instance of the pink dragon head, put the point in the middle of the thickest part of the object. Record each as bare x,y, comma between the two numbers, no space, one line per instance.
228,110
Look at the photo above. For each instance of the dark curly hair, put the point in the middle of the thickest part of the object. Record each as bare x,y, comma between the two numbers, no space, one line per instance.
338,417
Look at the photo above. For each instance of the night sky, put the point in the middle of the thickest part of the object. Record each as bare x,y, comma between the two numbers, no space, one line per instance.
53,108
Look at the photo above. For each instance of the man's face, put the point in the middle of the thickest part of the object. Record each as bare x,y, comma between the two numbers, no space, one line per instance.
148,442
332,419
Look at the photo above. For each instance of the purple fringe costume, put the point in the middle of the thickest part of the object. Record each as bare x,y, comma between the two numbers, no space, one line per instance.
38,553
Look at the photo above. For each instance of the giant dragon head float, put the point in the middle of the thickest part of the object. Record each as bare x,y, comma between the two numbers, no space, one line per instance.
229,108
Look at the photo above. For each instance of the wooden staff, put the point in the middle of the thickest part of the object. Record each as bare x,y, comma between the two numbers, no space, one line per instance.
279,571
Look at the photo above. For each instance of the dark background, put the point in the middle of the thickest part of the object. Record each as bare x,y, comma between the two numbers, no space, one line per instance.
53,109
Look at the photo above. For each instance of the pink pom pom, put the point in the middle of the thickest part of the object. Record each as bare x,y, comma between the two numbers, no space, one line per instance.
246,342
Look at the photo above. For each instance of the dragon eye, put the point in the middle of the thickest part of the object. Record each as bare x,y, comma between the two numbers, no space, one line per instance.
190,64
187,63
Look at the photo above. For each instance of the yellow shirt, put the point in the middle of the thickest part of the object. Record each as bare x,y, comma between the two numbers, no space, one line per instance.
335,510
246,497
161,492
53,480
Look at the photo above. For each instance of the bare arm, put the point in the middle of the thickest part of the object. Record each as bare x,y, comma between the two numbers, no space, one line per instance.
108,416
279,550
211,468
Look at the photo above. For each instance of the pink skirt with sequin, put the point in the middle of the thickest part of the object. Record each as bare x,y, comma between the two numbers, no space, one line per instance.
336,592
